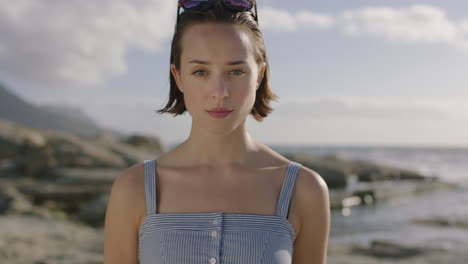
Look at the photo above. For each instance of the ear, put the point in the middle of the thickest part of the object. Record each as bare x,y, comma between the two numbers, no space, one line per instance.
176,76
261,73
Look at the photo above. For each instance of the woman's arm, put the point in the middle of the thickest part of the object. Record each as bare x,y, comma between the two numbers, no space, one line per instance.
310,246
121,221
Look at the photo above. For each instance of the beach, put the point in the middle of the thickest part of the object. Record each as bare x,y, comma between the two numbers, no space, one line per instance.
389,205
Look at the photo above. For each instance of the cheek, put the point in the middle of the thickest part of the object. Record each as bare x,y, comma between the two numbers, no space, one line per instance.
192,95
246,94
191,98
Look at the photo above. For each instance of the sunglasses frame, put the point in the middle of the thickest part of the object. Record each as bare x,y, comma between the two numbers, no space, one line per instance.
181,3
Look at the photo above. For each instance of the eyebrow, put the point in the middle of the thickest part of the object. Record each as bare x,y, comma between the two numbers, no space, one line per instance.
207,63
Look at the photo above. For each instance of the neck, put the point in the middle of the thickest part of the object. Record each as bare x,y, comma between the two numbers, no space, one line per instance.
220,149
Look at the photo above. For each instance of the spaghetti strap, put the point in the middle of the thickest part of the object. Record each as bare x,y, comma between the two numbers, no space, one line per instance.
287,189
150,186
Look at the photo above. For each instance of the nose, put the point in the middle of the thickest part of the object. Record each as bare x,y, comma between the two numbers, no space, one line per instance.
220,88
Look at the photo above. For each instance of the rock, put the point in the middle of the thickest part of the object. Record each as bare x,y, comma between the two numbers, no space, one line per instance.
334,178
69,197
79,195
369,174
80,176
342,253
13,201
35,161
5,199
8,168
37,153
94,212
410,175
333,174
13,136
443,221
391,189
131,154
149,143
25,148
336,171
73,151
387,249
30,239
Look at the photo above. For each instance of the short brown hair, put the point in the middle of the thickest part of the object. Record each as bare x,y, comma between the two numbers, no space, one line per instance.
219,14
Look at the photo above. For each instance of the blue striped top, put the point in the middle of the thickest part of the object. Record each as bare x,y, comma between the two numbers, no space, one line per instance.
216,237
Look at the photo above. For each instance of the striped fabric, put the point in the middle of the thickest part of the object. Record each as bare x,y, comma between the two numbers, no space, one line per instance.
216,237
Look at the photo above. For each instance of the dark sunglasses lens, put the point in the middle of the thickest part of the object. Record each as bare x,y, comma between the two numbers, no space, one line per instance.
240,5
188,4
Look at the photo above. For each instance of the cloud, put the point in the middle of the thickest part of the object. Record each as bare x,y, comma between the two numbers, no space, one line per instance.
81,42
86,42
365,108
414,24
418,23
314,20
464,26
282,20
277,19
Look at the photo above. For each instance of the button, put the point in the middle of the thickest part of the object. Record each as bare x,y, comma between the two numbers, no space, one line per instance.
216,221
212,260
213,234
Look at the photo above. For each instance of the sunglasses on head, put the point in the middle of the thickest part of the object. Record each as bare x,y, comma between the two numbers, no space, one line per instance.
202,5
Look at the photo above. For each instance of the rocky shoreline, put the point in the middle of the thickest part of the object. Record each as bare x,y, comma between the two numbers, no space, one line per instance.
387,252
40,240
54,190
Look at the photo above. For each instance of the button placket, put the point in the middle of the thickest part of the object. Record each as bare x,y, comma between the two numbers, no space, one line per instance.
216,222
214,233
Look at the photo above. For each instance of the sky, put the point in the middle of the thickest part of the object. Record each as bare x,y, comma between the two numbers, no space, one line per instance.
360,72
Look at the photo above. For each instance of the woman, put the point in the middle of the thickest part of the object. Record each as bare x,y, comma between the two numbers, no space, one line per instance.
221,196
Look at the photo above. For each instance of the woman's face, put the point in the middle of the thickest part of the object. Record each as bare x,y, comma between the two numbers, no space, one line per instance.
218,69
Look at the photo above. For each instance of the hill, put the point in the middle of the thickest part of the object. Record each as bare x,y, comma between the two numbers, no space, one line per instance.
61,118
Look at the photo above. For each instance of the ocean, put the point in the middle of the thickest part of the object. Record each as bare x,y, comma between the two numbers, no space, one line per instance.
391,221
450,164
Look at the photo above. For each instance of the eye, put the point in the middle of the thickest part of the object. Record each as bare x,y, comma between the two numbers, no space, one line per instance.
238,72
199,73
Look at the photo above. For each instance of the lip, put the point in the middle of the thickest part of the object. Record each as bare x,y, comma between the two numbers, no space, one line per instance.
219,114
218,109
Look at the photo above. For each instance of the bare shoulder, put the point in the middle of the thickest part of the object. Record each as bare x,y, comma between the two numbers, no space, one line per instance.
312,200
127,191
122,217
311,189
130,175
